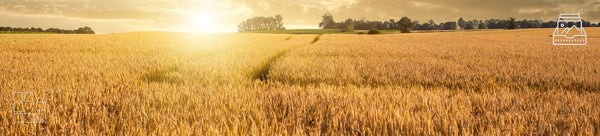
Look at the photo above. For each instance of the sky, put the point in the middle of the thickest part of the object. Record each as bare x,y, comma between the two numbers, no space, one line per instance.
221,16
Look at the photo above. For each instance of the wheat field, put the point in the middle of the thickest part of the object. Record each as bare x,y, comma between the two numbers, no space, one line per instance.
497,82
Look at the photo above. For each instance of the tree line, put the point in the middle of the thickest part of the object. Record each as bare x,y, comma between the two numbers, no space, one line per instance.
81,30
405,24
262,24
349,25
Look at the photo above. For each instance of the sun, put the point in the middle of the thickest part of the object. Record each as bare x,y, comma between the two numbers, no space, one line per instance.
206,21
202,22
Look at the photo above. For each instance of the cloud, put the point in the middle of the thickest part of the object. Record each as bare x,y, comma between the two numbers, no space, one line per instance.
325,5
531,10
87,9
265,4
172,14
241,9
333,5
419,4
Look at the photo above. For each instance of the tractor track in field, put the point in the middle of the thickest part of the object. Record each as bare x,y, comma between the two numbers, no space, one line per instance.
262,72
164,74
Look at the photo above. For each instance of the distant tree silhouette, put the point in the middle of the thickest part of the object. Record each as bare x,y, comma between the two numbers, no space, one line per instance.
327,22
418,25
530,23
549,24
82,30
405,25
585,23
462,23
512,24
473,24
482,25
279,22
360,24
430,25
390,25
348,25
373,31
495,24
449,26
262,24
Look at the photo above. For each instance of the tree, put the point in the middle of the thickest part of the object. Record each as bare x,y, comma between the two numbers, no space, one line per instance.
393,24
432,25
373,31
495,24
429,25
361,24
375,24
279,22
390,25
474,24
549,24
512,24
418,25
462,23
449,26
585,23
387,25
327,22
348,25
262,24
468,24
530,23
482,25
83,30
405,25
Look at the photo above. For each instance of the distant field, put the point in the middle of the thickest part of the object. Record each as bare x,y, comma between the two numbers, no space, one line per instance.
339,31
317,31
20,32
303,31
298,82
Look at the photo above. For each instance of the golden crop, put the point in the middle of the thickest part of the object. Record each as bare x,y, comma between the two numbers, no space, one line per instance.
452,83
487,61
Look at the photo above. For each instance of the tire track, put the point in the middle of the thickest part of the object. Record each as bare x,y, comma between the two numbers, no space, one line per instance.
262,72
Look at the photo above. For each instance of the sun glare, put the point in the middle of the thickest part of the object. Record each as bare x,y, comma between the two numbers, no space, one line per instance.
202,22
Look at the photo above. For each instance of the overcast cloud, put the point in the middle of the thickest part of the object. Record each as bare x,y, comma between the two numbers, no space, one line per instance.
106,16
